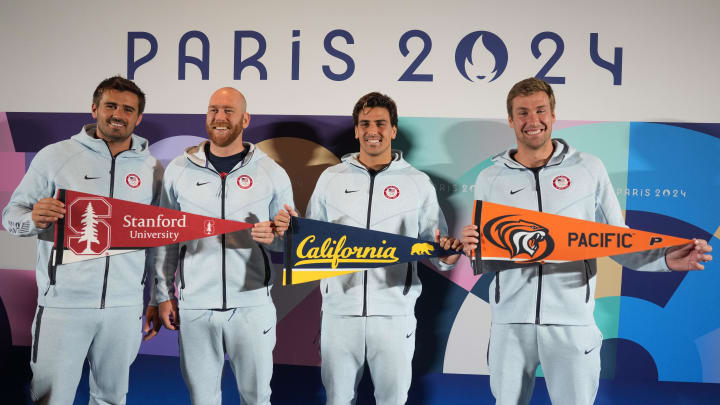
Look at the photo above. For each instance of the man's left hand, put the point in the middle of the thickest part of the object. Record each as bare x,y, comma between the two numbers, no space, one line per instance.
690,256
263,232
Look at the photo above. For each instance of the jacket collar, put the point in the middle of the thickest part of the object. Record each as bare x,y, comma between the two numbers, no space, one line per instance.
397,161
560,152
196,154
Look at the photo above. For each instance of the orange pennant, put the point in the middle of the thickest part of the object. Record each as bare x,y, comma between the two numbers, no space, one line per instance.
526,236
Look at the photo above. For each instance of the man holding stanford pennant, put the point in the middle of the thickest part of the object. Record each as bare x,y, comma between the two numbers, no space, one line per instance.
543,313
223,281
89,308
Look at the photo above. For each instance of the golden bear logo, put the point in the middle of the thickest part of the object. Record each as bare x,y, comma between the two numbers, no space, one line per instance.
519,237
421,249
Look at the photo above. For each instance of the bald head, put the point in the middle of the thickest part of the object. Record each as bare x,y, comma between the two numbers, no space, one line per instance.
228,96
226,119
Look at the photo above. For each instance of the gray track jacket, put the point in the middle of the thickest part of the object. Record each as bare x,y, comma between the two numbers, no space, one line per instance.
398,199
573,184
229,270
83,163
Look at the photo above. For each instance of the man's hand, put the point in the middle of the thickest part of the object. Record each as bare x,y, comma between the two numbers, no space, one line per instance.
470,239
262,232
152,324
282,220
689,256
169,314
448,243
47,211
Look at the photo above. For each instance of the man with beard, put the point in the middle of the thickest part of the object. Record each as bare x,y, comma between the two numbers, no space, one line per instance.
543,314
224,281
89,309
370,315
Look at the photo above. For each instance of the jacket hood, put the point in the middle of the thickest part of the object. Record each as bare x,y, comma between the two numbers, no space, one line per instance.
196,154
87,138
396,163
561,151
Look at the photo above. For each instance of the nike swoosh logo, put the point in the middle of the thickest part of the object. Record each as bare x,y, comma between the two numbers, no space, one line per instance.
516,191
588,351
90,178
350,191
409,334
267,330
201,184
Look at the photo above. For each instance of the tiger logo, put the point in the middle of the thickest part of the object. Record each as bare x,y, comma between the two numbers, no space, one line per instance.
519,237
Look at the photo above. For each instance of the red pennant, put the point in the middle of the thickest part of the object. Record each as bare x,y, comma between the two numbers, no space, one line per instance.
96,226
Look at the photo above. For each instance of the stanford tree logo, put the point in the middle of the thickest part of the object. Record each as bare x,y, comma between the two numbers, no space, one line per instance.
86,223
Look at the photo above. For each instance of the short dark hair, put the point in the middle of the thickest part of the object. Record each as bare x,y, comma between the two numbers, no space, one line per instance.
376,99
527,87
119,83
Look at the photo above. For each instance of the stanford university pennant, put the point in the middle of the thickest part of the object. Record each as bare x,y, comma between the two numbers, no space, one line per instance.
95,226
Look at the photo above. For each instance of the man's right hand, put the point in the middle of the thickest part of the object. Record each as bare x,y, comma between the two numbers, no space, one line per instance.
282,220
469,239
169,314
47,211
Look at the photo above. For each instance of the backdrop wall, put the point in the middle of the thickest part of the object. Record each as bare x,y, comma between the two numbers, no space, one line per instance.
635,84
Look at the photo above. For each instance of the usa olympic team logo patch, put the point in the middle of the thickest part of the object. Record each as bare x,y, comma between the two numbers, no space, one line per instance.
244,182
133,180
391,192
561,182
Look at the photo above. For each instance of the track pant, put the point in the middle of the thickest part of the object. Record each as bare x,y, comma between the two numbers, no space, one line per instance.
246,334
386,342
570,358
63,337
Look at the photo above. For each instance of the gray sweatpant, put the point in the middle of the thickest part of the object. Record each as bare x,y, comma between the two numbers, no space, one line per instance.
63,337
570,358
246,334
386,342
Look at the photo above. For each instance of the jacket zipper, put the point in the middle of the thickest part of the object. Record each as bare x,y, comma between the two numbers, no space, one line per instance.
408,279
536,173
107,259
223,176
587,281
181,269
367,226
38,321
266,262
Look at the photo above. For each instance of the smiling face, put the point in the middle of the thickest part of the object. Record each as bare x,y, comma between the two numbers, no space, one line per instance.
226,118
375,133
532,119
117,114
